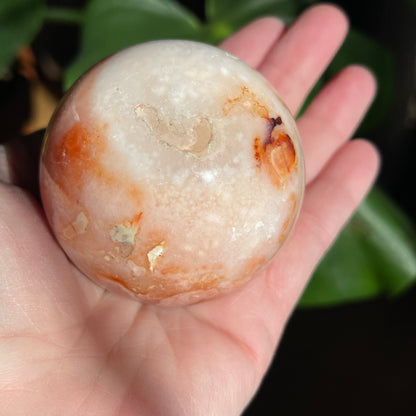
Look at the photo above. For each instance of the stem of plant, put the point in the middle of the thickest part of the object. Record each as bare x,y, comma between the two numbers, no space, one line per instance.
64,15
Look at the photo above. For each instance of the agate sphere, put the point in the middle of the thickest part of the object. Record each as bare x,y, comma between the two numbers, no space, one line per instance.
171,172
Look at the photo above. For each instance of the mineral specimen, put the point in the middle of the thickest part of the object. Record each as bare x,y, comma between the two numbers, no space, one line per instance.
171,172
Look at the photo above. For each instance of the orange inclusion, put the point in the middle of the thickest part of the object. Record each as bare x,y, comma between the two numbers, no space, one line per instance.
276,156
289,219
135,221
174,270
77,152
248,103
283,155
254,263
165,290
115,279
74,153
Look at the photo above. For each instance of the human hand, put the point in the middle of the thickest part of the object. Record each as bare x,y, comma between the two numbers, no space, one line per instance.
68,347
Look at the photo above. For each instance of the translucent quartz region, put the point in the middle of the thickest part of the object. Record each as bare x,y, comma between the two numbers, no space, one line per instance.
172,172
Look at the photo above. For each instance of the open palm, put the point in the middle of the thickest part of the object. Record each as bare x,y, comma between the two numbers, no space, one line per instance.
68,347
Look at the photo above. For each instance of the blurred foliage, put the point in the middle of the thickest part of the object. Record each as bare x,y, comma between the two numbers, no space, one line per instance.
233,14
20,20
375,254
111,25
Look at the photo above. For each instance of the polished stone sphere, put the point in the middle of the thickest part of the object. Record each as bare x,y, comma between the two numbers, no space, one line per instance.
171,172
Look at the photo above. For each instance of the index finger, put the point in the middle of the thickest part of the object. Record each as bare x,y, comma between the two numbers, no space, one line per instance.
252,43
303,53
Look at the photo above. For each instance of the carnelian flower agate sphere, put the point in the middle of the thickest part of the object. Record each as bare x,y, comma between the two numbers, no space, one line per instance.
171,172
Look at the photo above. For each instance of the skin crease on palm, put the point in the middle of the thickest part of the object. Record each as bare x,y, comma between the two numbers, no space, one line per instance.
67,347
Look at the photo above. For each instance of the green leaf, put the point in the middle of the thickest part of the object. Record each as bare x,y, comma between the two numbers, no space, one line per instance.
233,14
111,25
345,274
390,237
360,49
20,20
63,15
375,254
